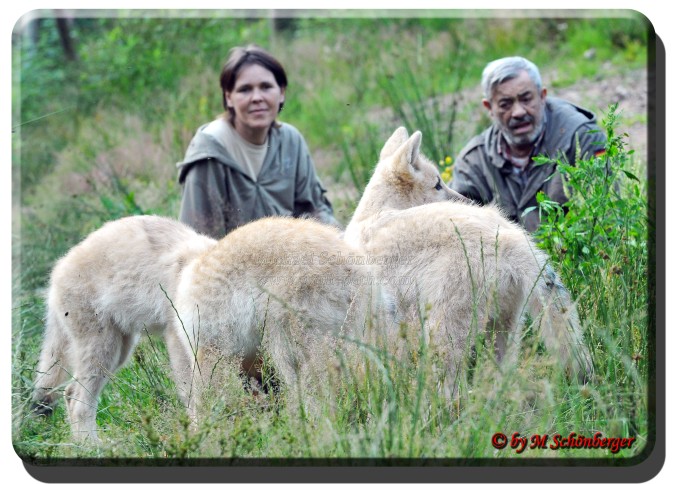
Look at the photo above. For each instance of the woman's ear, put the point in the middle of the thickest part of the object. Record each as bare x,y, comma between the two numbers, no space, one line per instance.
283,99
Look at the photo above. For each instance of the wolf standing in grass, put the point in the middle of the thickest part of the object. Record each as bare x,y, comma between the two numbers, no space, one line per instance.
103,294
288,288
476,270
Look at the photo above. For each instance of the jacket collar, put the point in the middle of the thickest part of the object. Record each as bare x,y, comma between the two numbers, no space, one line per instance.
205,146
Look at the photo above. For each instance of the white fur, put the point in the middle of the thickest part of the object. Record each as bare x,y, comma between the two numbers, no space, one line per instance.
474,269
291,288
103,294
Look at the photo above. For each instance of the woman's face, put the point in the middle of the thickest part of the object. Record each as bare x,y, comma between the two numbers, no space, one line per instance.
256,98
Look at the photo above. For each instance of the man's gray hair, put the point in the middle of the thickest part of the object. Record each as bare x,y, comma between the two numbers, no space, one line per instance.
501,70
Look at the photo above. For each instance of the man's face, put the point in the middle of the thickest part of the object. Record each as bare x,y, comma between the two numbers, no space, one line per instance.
517,107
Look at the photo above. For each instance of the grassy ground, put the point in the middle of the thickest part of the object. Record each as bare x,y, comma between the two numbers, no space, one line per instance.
109,150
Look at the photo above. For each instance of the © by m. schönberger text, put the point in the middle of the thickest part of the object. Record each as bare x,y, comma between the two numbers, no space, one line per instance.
520,443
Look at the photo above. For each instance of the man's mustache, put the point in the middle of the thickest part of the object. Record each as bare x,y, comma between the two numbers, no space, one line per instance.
514,122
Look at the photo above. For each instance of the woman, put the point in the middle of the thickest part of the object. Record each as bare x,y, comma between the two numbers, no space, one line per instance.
245,164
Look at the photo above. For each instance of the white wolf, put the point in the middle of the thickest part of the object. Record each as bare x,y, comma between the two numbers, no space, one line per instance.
477,270
103,293
290,288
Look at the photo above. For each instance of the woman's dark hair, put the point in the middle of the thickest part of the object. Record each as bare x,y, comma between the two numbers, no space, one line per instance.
240,57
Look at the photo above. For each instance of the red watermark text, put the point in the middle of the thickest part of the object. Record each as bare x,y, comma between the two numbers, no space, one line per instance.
520,443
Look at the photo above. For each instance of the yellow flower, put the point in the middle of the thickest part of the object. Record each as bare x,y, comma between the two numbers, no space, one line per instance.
448,160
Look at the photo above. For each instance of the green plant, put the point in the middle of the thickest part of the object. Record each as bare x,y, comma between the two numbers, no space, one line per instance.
602,239
426,102
605,217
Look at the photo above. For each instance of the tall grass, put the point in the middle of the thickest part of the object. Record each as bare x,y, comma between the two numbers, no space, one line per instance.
390,405
104,144
602,243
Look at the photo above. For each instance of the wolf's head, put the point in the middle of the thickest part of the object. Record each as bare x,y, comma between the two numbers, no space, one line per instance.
404,177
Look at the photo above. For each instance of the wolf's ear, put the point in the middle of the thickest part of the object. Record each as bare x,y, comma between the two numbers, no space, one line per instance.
409,152
397,139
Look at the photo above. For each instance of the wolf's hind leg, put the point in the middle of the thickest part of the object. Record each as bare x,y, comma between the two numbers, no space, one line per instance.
98,357
52,367
559,326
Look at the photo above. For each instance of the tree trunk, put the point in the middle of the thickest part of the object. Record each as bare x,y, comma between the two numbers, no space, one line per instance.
64,28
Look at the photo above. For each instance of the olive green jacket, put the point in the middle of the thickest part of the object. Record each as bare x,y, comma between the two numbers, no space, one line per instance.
217,196
484,175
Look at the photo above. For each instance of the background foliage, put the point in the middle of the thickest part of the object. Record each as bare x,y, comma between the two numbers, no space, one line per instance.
97,137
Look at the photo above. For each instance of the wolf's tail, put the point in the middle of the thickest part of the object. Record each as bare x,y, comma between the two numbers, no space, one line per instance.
559,326
51,372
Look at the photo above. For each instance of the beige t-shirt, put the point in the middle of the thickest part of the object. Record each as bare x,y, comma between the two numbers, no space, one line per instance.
248,156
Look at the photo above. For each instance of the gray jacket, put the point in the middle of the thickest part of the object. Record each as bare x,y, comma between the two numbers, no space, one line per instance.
483,174
217,196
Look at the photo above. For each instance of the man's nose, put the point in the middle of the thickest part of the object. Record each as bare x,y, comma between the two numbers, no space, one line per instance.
518,110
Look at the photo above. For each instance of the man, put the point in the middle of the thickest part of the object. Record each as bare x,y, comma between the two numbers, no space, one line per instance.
497,165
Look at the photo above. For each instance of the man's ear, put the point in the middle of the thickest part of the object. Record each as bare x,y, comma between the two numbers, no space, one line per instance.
544,93
487,104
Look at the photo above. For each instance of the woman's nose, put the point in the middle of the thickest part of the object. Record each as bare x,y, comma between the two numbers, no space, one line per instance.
257,95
